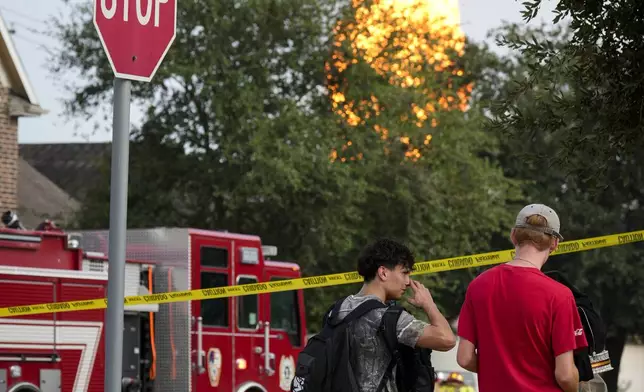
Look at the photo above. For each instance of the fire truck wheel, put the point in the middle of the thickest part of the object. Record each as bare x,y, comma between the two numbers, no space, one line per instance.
24,387
251,387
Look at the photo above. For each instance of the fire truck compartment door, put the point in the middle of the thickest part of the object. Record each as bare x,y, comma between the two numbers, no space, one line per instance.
49,380
284,309
213,267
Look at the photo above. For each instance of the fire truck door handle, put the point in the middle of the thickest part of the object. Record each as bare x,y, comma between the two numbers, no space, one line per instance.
268,355
200,352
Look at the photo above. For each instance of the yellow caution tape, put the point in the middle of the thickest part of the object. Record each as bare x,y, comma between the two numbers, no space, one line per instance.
425,267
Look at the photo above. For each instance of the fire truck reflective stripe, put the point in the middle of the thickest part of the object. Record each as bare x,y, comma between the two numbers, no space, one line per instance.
52,273
20,238
153,367
27,359
425,267
246,335
173,357
83,336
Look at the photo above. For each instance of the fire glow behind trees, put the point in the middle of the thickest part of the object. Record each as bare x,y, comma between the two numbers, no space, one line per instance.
410,44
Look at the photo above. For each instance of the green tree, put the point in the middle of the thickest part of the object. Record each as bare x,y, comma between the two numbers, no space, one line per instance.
427,172
545,105
601,63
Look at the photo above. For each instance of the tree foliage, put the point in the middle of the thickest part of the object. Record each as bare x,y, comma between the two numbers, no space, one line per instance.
400,88
397,58
599,110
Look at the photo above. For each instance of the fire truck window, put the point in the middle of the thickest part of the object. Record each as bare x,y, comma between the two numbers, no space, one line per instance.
285,314
214,311
214,257
247,305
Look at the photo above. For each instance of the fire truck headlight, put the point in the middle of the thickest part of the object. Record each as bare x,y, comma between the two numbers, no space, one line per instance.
241,363
73,241
16,371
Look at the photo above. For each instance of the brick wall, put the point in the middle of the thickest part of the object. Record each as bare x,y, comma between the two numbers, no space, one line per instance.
8,155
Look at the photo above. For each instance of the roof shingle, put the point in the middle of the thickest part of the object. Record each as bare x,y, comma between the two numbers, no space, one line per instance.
40,199
73,167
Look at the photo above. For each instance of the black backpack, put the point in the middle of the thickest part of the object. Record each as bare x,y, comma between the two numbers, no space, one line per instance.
325,364
594,358
414,370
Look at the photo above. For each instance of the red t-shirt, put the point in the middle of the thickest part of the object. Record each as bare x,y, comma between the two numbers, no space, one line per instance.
519,320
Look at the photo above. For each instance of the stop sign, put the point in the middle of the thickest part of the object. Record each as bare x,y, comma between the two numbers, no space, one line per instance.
136,34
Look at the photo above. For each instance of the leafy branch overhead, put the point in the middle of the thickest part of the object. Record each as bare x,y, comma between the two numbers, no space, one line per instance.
600,107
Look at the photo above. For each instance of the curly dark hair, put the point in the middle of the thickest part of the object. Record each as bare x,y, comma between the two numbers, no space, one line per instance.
383,252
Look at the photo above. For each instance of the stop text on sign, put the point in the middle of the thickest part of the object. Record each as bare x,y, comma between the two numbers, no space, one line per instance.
136,34
143,16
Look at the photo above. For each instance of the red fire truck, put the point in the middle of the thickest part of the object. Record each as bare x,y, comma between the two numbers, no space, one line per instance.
242,344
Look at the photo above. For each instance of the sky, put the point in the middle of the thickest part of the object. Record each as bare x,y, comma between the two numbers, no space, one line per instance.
28,18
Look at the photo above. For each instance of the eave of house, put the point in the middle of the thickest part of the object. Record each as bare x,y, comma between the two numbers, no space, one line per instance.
22,99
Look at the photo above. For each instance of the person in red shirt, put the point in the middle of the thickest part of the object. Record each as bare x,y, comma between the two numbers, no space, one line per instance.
518,328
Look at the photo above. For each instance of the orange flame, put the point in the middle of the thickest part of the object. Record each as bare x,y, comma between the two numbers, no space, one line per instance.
400,40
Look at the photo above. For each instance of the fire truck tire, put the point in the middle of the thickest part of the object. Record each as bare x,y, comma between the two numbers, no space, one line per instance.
251,387
24,387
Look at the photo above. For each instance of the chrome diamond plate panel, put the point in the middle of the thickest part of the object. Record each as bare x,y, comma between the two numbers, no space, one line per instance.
168,249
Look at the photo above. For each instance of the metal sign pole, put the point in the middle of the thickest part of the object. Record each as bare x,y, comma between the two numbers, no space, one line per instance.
118,227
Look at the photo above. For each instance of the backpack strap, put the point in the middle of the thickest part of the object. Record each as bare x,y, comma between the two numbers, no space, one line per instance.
355,314
561,278
332,311
387,329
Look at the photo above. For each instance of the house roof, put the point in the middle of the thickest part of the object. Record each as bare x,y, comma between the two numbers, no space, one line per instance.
40,199
25,102
73,167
